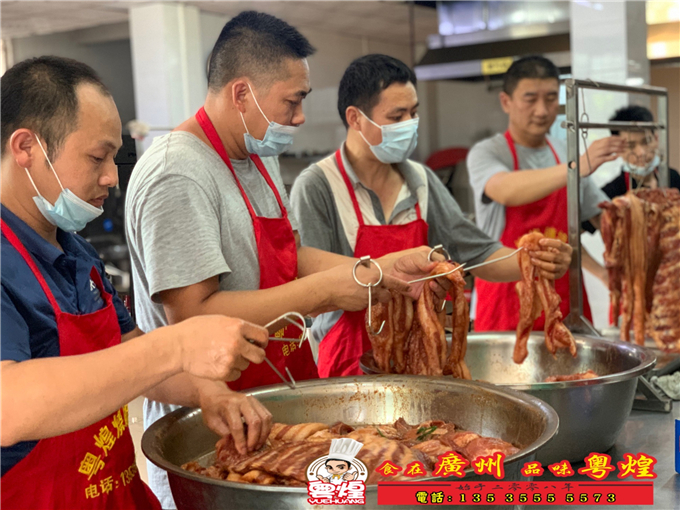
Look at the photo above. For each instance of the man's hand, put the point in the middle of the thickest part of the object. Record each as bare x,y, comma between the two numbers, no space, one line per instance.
228,412
349,476
553,260
599,152
414,265
217,347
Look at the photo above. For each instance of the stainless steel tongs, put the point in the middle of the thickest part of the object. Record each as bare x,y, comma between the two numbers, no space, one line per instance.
303,326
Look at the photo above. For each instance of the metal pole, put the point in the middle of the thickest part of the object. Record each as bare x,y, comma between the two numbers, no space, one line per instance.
620,125
575,320
662,118
590,84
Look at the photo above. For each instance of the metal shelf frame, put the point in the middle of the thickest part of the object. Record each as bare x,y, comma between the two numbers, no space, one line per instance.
576,321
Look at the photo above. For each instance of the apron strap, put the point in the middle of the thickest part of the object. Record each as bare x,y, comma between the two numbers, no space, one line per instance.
557,159
513,150
352,195
211,133
350,188
17,244
97,279
263,171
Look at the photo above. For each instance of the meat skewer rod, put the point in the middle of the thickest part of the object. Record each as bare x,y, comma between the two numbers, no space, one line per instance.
463,266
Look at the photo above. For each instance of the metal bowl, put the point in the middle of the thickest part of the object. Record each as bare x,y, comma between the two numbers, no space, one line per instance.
592,412
181,436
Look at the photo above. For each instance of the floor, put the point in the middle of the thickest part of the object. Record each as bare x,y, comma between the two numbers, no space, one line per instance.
137,429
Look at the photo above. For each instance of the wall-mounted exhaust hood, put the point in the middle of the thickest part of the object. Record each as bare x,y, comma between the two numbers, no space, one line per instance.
479,39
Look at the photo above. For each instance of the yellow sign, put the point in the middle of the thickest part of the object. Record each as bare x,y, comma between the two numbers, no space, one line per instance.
496,65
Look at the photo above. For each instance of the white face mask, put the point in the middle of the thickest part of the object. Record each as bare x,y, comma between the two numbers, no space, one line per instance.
399,140
69,212
276,139
642,171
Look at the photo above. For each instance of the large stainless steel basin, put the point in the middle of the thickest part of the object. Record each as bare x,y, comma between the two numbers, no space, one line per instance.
592,412
489,410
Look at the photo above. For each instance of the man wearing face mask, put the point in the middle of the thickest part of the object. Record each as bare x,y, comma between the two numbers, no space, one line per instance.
369,197
209,226
519,182
71,355
640,156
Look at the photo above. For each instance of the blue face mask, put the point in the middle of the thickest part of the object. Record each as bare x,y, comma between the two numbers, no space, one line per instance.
642,171
398,140
276,139
69,212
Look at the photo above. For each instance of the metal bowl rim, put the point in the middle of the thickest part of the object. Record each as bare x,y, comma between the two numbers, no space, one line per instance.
551,428
646,357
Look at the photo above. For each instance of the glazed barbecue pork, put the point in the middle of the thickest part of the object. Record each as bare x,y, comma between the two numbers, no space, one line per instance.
413,340
289,449
641,233
537,294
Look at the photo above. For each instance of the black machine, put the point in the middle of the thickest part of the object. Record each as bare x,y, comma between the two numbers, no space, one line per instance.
107,233
111,225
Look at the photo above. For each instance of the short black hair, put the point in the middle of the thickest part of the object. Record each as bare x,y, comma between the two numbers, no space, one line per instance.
349,464
40,94
366,77
254,44
533,66
633,113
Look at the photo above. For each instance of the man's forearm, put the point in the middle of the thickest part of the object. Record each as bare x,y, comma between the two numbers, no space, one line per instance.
594,267
503,271
308,296
313,260
525,187
51,396
183,390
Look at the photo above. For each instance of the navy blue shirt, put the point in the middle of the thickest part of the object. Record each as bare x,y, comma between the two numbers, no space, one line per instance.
28,325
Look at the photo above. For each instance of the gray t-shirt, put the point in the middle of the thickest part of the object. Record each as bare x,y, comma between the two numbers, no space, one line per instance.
329,222
491,156
186,221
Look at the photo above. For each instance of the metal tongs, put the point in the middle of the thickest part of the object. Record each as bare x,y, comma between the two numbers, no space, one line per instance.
367,261
303,326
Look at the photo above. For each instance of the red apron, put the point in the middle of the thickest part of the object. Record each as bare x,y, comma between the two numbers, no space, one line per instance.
277,256
93,467
347,340
497,303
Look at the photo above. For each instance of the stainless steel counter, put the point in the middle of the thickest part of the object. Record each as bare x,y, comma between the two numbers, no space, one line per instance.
650,433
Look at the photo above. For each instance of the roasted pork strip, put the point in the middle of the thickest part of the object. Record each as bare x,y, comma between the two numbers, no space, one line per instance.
413,340
281,433
536,292
289,460
641,231
400,443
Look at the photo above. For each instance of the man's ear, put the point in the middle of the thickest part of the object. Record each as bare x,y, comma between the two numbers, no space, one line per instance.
23,146
352,115
239,92
505,100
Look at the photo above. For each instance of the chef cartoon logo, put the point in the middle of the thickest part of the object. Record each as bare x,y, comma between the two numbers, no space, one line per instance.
339,477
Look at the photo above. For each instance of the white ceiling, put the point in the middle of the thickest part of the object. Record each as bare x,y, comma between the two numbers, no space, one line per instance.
380,20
